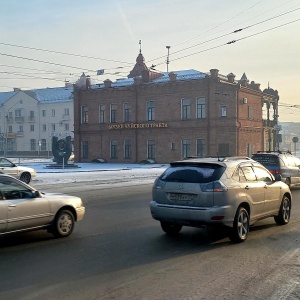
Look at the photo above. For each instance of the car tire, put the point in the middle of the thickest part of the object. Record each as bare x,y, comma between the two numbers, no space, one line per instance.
63,223
170,228
284,211
288,181
239,231
25,177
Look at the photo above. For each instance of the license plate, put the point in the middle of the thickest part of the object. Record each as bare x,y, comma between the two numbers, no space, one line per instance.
182,197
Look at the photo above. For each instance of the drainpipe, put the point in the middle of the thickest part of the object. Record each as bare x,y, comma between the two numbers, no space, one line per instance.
238,122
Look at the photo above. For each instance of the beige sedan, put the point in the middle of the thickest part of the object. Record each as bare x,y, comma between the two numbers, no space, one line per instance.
22,208
23,173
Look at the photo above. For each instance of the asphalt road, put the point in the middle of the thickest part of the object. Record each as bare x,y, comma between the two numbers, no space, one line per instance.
119,252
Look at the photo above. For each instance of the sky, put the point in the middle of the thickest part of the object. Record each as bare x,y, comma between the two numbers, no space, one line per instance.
45,43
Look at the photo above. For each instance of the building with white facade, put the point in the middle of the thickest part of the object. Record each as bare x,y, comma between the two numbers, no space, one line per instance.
29,119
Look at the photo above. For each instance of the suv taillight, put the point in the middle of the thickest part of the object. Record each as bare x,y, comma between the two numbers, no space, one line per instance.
275,172
159,184
215,186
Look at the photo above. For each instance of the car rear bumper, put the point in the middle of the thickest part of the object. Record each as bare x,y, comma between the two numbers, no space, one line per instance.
80,213
192,216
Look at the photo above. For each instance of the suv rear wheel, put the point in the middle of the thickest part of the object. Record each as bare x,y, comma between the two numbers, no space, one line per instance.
170,228
240,229
284,212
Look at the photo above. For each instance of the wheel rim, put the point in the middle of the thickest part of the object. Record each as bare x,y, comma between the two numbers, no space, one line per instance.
286,210
242,225
65,224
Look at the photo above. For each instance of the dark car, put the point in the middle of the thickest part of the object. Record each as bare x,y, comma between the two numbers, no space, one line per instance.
282,163
234,192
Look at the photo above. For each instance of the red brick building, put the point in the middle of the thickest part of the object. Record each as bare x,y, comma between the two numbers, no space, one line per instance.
169,116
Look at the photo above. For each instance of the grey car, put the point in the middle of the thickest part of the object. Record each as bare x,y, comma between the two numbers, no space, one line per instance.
280,162
234,192
23,208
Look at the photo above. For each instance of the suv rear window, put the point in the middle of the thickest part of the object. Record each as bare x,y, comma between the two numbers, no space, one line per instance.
267,160
200,173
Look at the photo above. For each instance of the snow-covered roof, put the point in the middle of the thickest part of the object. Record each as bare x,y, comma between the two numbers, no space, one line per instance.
181,76
58,94
48,95
4,96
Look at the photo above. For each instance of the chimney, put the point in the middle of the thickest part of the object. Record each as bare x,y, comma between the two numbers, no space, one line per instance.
107,83
231,77
172,76
214,73
88,82
255,86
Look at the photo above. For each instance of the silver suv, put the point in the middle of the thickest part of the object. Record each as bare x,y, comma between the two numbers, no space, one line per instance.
234,191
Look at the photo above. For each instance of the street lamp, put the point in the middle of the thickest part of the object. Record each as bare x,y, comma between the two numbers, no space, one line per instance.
6,131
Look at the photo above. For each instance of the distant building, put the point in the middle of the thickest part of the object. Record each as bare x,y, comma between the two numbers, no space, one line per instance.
169,116
29,119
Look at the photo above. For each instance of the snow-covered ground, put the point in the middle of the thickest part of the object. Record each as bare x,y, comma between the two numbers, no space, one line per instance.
104,172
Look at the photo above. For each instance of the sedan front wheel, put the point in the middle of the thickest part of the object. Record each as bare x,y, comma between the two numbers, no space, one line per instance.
63,224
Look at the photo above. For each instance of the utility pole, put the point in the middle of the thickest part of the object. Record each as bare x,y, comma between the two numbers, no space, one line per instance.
168,57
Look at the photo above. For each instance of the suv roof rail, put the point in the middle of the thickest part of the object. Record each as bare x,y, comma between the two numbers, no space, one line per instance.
237,158
278,151
222,158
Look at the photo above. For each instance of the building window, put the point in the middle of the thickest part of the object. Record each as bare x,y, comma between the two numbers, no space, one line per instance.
84,149
32,145
249,154
223,149
44,127
201,108
43,145
67,127
127,112
186,148
9,128
31,116
31,127
101,114
223,110
249,112
113,149
127,149
150,111
9,116
151,149
43,113
84,114
66,112
21,128
18,113
113,113
53,112
200,148
52,127
185,109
